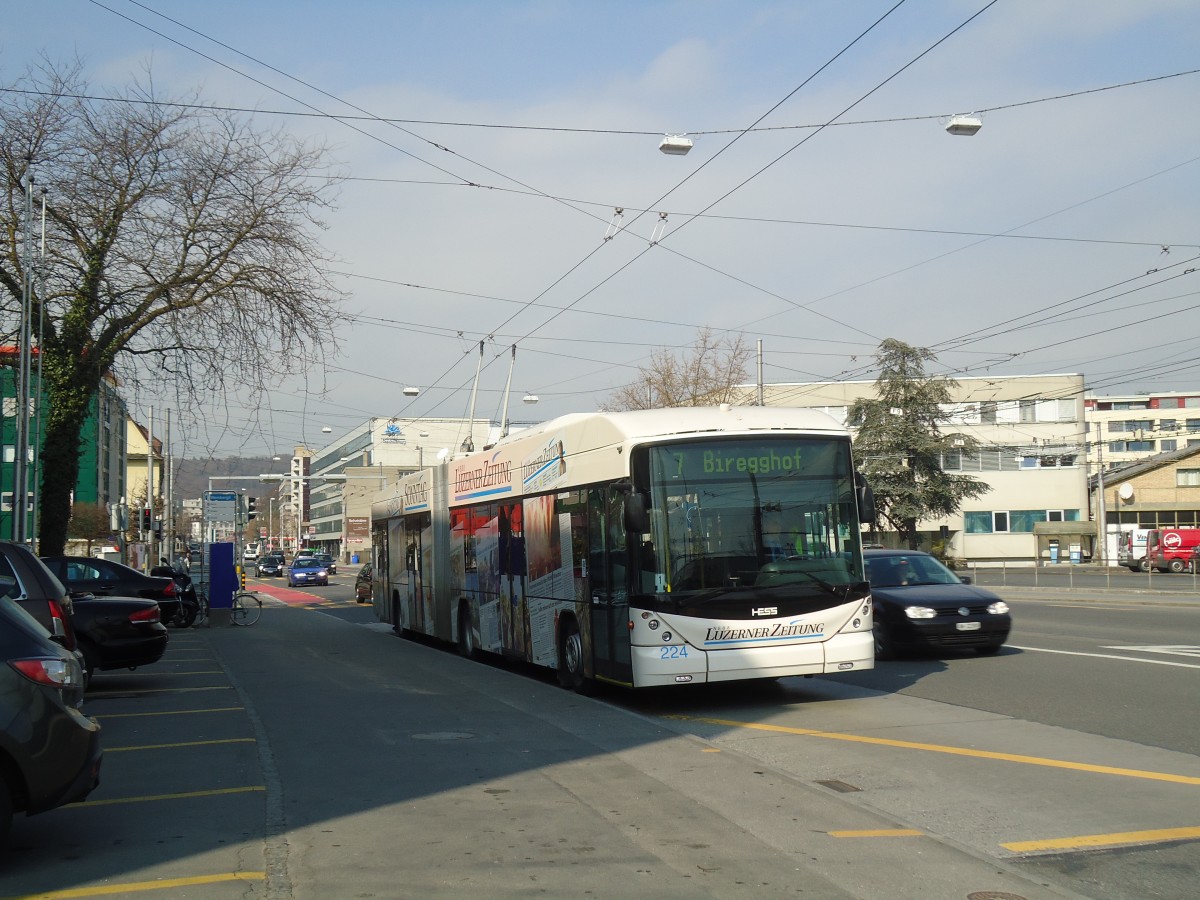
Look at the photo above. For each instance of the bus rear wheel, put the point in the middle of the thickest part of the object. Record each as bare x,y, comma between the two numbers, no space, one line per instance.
466,636
570,658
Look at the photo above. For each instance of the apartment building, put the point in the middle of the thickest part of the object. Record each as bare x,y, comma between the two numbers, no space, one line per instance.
1127,428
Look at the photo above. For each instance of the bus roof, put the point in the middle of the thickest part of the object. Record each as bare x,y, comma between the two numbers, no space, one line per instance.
579,449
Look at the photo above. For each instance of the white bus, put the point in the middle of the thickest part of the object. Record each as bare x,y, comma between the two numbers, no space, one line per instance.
655,547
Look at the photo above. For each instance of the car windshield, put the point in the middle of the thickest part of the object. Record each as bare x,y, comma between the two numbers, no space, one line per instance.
305,562
896,571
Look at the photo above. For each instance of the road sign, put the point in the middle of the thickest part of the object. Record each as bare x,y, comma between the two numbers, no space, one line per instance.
220,506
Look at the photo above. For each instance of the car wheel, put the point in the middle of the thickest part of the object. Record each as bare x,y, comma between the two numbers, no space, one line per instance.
1176,566
885,647
1143,565
570,658
89,658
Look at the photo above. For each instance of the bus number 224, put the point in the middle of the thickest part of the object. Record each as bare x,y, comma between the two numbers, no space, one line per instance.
672,653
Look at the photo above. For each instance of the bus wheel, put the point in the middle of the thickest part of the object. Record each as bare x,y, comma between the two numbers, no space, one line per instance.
396,626
570,658
466,637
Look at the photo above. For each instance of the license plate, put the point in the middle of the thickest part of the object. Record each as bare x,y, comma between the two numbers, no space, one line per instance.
967,626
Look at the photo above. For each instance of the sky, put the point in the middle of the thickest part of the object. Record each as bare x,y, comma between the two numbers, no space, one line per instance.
822,209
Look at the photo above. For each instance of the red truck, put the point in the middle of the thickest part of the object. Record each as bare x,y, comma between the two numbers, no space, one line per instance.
1172,549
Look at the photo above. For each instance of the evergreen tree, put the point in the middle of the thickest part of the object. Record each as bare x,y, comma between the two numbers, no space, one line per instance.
900,444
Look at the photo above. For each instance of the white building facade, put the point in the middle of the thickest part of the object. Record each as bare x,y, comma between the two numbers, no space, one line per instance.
1032,455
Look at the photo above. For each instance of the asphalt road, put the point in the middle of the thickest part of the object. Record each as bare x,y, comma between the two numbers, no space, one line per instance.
318,755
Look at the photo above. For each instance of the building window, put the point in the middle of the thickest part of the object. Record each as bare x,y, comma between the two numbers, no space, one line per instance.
1168,445
1022,520
977,522
1054,515
1192,424
1028,411
999,521
1168,424
1187,477
987,412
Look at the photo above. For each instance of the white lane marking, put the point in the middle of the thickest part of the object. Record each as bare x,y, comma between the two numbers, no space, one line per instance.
1156,662
1172,649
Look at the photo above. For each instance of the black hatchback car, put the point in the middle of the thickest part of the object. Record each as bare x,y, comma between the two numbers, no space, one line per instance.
268,565
49,750
106,578
921,604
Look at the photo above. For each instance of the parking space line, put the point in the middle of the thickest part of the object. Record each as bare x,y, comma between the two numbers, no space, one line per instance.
954,751
175,746
161,674
1090,841
171,712
137,692
149,798
104,890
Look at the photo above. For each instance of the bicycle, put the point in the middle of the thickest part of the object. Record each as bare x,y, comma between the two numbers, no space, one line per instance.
247,607
201,619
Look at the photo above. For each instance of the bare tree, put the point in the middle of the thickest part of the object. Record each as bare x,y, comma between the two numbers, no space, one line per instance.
89,522
705,374
180,253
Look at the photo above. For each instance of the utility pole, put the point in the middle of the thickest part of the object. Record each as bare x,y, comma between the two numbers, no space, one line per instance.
21,460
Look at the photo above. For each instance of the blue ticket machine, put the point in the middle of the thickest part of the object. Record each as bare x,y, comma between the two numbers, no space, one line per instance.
222,577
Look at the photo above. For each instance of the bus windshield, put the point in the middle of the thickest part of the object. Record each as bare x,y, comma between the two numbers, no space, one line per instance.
753,513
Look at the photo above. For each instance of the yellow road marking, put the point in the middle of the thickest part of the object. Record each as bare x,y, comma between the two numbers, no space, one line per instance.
171,712
954,751
243,740
103,890
878,832
117,801
178,690
1105,840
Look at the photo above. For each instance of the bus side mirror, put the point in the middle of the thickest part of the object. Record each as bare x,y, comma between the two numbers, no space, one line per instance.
636,519
865,497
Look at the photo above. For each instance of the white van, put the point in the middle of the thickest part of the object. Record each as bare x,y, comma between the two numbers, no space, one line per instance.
251,551
1131,549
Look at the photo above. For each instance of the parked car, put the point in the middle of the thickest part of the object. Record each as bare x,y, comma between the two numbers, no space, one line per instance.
50,751
306,570
363,589
106,578
268,565
38,592
327,560
919,603
103,632
118,632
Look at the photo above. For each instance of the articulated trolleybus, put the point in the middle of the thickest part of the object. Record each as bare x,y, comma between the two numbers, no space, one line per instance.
655,547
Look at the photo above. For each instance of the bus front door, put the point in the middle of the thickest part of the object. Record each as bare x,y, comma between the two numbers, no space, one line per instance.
609,586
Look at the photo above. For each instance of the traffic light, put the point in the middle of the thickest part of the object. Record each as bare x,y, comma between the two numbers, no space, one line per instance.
251,507
147,518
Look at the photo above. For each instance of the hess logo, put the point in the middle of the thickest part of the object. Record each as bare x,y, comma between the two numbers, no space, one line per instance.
764,611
